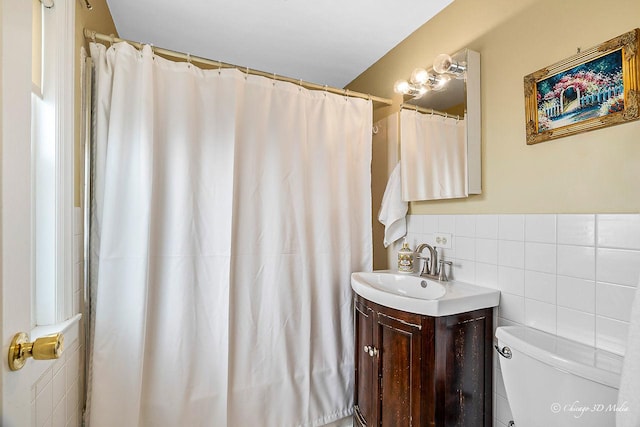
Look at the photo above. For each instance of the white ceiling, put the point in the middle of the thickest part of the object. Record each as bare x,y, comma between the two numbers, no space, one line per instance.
323,41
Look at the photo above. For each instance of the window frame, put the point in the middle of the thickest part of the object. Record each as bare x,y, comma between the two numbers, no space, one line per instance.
53,285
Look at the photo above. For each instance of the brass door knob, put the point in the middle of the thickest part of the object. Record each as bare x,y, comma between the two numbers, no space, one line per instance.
44,348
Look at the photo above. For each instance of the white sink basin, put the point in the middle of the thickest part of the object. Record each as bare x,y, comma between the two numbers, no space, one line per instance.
415,294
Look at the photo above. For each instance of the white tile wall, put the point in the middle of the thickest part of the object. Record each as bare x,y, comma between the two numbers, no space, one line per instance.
570,275
57,396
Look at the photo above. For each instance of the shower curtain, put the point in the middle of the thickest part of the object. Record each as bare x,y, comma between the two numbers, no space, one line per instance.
433,156
228,213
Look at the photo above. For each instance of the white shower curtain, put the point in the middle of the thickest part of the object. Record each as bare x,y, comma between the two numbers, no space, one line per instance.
433,156
229,212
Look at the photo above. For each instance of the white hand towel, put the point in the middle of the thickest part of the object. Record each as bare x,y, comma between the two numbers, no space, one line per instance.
393,210
628,410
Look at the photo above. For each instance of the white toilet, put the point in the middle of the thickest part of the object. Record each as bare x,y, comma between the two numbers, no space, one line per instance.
552,381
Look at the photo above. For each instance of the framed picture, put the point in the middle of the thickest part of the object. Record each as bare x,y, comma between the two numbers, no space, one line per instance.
595,88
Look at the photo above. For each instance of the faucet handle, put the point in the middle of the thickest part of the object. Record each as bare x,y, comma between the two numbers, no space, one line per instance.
423,266
443,275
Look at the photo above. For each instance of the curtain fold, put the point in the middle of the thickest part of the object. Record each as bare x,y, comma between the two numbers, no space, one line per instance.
229,213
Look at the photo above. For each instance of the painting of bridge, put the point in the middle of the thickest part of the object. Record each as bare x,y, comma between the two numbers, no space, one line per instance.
592,89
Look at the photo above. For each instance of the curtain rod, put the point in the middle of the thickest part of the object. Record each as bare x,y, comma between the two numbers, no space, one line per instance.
93,36
429,111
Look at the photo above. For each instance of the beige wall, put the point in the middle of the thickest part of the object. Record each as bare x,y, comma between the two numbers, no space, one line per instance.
98,19
592,172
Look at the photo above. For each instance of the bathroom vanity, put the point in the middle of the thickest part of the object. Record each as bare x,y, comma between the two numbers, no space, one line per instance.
413,369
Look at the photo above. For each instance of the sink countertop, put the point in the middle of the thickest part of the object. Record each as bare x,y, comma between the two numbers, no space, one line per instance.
408,292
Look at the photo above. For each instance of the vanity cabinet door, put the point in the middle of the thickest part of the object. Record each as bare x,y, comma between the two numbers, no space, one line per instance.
399,344
464,373
420,371
365,374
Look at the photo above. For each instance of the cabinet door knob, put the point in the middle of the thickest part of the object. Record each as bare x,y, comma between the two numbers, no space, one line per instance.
367,349
373,351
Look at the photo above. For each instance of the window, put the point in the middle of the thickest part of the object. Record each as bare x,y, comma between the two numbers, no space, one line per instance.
52,161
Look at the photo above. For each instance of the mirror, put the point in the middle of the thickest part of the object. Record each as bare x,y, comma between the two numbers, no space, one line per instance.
450,89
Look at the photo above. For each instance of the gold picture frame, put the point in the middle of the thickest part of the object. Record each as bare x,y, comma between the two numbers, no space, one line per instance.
596,88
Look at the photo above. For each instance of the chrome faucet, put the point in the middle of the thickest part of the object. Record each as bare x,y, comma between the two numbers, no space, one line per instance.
432,259
431,267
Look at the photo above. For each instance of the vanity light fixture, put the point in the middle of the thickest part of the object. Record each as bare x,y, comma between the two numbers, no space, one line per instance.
438,82
420,76
411,89
445,64
421,82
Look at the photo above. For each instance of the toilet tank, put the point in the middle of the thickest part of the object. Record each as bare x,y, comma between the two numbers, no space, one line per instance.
552,381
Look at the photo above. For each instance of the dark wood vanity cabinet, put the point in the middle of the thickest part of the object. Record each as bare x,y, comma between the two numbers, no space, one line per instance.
416,370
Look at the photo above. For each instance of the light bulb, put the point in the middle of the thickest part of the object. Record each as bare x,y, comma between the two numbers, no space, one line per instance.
445,64
402,87
442,63
419,76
